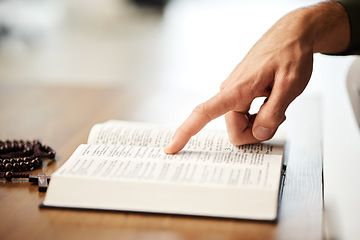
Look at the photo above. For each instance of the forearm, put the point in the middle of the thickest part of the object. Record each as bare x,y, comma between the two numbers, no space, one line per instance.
324,26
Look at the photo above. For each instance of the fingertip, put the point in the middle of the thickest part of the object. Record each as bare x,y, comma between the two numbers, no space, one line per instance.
169,149
175,145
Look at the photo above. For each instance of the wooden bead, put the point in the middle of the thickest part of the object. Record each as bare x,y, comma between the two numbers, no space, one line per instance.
8,175
4,150
22,167
35,163
8,144
8,167
52,154
16,144
25,166
23,155
15,167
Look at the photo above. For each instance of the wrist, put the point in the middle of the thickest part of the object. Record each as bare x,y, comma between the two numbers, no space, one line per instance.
327,27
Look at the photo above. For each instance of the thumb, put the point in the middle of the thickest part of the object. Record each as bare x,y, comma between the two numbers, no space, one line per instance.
269,118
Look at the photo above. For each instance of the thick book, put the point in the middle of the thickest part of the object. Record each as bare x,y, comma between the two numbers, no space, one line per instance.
123,167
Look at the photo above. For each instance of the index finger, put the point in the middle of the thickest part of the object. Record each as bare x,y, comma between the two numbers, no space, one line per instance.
200,116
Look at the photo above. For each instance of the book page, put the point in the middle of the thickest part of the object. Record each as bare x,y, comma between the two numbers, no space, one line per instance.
130,134
150,135
133,163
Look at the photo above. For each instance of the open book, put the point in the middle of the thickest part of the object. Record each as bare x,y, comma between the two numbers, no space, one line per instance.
123,167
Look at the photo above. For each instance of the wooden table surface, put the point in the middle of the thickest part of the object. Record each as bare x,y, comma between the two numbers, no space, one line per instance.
62,117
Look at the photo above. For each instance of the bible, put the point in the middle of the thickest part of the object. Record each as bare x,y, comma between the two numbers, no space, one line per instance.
123,168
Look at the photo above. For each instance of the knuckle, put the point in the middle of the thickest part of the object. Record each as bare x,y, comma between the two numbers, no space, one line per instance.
203,110
243,97
289,81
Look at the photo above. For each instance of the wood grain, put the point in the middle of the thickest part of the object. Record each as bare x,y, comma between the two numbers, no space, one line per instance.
62,117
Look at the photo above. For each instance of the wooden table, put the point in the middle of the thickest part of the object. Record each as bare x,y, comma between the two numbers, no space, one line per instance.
62,117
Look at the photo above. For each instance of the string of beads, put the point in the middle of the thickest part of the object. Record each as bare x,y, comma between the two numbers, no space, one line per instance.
10,175
20,155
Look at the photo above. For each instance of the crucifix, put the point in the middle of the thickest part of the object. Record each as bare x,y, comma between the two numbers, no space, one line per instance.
41,179
18,156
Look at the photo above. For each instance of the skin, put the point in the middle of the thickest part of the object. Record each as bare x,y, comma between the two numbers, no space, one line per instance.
278,67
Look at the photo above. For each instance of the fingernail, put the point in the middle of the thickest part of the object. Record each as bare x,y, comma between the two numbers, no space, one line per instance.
262,133
168,147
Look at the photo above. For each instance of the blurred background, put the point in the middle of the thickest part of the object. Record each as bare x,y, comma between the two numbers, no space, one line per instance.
157,49
111,42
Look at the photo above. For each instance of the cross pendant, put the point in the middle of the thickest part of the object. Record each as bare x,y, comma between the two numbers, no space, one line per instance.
41,179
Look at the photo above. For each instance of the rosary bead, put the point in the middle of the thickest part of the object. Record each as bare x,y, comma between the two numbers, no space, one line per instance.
8,144
22,167
15,144
52,154
8,167
25,166
35,163
3,149
8,175
16,167
22,155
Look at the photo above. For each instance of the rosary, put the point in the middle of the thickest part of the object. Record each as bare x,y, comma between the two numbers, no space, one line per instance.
18,156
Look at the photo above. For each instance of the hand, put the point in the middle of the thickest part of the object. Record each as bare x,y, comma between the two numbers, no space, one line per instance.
278,67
